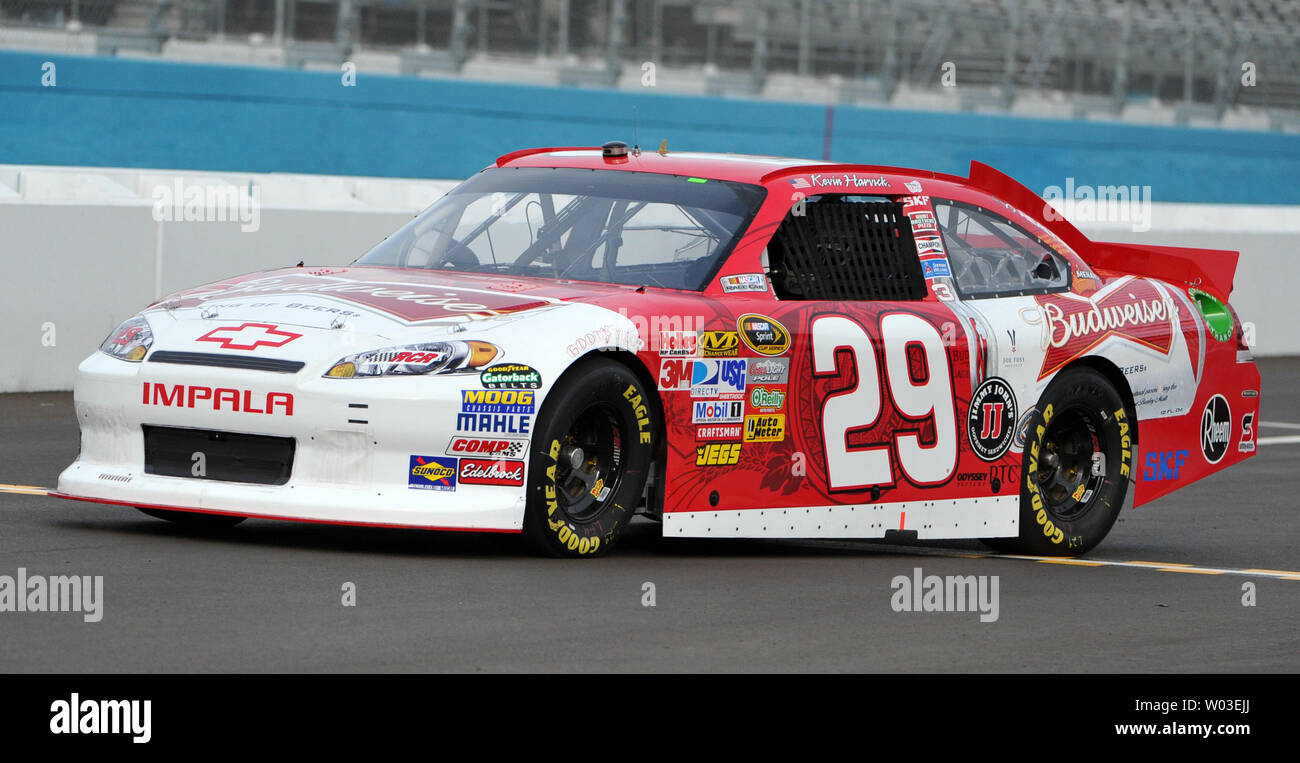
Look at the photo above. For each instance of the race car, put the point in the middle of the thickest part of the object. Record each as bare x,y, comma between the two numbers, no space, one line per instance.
734,346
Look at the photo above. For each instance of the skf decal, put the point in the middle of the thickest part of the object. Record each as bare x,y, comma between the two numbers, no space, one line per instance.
718,454
1247,442
765,428
238,400
475,471
762,334
1131,308
717,344
1216,428
1163,465
432,473
991,423
249,336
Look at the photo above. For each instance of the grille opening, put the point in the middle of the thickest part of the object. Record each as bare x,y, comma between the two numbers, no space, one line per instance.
227,456
845,250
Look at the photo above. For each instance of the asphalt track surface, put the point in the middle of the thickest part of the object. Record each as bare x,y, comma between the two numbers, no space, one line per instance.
266,596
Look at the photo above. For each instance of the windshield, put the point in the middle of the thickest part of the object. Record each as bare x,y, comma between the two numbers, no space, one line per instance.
611,226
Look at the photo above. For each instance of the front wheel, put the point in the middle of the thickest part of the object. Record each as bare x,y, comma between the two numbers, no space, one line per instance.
591,453
1075,469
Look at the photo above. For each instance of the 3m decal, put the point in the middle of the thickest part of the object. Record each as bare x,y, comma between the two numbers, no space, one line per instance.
718,454
715,344
510,376
484,447
991,423
249,336
675,374
844,410
1216,428
432,473
1163,465
762,334
217,398
475,471
765,428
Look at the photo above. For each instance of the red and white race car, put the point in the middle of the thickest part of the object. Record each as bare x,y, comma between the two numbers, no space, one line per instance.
739,346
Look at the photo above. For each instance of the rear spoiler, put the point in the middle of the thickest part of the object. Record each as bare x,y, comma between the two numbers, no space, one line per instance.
1211,270
1208,269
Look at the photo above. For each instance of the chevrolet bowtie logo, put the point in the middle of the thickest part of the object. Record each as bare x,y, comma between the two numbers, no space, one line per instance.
249,336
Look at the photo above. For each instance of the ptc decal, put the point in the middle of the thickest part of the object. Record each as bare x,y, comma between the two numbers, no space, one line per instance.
511,376
1216,429
992,419
763,334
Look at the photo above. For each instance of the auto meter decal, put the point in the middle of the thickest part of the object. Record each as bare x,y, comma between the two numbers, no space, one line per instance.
432,473
991,423
1134,309
510,376
1216,429
762,334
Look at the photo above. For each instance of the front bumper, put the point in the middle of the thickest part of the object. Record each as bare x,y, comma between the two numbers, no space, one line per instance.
354,442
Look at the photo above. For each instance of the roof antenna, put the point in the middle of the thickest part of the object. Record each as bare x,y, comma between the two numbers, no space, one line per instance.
636,146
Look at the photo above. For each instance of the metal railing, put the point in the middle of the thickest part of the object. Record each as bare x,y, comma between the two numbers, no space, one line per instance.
1199,56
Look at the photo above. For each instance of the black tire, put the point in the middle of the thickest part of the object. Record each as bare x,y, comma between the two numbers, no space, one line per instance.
1066,506
591,452
195,519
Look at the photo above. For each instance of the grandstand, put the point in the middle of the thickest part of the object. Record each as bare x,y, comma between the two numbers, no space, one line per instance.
1233,63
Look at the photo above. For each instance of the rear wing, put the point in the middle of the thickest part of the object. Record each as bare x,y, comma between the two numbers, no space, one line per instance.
1211,270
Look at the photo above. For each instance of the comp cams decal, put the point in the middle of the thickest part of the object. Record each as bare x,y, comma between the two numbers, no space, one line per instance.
486,447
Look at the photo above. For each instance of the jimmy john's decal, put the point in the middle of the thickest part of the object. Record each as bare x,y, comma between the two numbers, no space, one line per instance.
991,423
511,376
762,334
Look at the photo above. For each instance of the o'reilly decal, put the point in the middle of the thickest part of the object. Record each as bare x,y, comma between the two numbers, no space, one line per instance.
1216,429
511,376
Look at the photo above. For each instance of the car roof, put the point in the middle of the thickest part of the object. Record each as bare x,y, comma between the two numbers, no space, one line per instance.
741,168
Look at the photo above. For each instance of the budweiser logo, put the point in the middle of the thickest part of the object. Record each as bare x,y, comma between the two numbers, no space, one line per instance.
497,472
1133,308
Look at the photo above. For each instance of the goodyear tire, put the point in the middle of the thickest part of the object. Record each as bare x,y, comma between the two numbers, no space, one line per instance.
1076,467
195,519
591,453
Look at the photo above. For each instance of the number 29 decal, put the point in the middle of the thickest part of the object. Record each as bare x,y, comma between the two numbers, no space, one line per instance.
919,383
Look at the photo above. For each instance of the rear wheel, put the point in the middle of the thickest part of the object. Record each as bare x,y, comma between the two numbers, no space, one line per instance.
1075,468
195,519
591,454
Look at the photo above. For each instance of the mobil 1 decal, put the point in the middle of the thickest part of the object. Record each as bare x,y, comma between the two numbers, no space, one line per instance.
991,423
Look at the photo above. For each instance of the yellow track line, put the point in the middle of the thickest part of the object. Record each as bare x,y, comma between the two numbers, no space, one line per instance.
1191,569
24,489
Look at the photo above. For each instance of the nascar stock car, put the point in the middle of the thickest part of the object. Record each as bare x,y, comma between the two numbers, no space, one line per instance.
735,346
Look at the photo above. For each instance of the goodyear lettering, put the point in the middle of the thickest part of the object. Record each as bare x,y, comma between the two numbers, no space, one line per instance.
642,415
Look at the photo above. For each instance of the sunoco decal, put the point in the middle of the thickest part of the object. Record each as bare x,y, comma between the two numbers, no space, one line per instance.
432,473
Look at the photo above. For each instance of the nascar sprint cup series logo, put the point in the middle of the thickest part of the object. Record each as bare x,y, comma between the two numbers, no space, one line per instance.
992,419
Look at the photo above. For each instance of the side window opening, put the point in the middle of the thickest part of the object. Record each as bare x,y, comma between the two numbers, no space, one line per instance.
993,257
845,248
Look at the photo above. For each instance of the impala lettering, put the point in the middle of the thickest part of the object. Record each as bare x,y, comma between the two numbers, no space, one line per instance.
219,399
